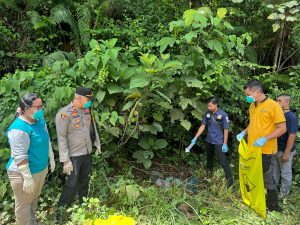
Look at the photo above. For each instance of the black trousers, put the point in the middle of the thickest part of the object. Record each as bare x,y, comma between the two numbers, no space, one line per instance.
213,149
268,163
78,181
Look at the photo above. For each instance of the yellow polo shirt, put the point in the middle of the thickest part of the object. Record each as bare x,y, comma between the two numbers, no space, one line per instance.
263,120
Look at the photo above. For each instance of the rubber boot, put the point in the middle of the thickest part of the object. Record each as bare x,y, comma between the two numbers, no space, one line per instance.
272,201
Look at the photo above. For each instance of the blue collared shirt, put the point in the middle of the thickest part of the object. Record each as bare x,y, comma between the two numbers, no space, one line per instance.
215,133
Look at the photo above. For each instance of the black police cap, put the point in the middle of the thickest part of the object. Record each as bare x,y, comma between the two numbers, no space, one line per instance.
86,92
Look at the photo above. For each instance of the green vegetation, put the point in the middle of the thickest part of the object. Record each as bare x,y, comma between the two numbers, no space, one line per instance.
151,65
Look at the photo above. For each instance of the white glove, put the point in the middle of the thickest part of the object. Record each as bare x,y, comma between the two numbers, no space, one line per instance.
68,167
98,150
51,158
28,184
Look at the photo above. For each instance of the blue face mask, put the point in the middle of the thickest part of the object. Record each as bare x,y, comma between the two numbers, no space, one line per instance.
39,114
250,99
87,104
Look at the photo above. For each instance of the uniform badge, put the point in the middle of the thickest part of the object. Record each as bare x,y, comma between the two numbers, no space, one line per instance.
87,111
207,115
227,119
74,113
63,115
219,117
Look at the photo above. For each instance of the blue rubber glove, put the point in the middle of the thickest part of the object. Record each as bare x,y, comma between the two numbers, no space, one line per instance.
194,140
240,136
224,148
260,142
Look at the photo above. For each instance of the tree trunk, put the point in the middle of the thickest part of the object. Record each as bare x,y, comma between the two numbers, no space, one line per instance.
278,47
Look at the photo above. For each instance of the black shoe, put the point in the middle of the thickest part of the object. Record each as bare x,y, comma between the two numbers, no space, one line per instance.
275,208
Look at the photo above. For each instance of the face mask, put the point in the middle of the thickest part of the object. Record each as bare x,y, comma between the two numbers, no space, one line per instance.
250,99
39,114
87,104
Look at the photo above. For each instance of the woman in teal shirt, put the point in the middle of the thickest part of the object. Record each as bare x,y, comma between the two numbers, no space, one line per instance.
28,165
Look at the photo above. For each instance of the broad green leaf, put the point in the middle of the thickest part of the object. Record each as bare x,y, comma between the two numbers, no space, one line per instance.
147,59
200,21
112,42
275,27
113,118
184,102
138,82
172,64
104,116
165,105
113,53
147,163
218,46
215,45
193,82
164,96
114,88
189,36
158,117
3,189
143,143
165,42
151,71
291,4
197,114
281,16
139,155
158,126
291,18
221,12
160,144
176,24
273,16
237,1
228,25
121,120
148,154
186,124
232,38
270,6
114,131
293,11
100,96
281,9
153,128
135,94
206,11
132,193
94,44
128,105
176,114
110,101
188,16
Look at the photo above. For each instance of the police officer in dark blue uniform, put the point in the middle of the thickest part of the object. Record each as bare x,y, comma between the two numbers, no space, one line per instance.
217,123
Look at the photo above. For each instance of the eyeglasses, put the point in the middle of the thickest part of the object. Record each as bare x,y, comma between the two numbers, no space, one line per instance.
37,106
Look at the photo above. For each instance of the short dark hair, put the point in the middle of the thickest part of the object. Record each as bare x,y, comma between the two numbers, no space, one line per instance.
253,84
212,100
284,95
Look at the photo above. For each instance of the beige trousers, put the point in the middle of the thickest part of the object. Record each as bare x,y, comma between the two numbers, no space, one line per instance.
26,204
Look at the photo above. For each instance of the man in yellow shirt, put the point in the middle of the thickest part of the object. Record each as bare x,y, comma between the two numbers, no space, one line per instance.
267,123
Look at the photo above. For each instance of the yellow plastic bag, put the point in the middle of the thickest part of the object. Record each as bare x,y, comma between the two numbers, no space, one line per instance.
251,177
